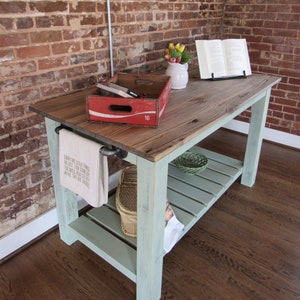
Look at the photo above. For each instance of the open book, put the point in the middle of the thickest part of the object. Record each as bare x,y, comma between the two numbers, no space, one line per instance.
223,58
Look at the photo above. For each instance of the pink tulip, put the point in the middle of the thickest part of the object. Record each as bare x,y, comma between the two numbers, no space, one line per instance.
173,60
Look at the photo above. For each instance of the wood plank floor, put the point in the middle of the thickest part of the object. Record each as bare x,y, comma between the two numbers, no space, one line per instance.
246,247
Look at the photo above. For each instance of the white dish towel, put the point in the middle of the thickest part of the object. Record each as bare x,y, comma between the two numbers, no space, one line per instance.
83,169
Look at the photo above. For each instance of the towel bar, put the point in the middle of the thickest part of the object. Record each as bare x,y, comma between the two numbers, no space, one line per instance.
113,151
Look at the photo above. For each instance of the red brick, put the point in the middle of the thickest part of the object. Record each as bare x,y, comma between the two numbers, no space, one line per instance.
232,8
28,121
74,72
294,81
5,128
6,23
18,137
45,36
26,147
6,55
48,21
275,24
78,84
9,85
14,39
58,89
285,102
274,106
33,51
289,117
83,6
262,31
272,120
5,143
295,72
261,46
277,114
47,6
82,58
282,48
47,184
294,96
285,33
53,62
92,20
24,23
23,204
26,96
80,33
66,47
14,163
18,69
37,177
264,16
94,44
292,110
287,17
278,8
12,7
13,186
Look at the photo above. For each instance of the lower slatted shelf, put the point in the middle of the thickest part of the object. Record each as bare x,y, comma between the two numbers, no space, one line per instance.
190,196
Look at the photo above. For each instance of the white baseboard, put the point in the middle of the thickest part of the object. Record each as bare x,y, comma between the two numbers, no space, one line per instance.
31,230
269,134
23,235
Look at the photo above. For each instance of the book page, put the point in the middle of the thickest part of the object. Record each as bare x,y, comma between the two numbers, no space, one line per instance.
236,57
210,58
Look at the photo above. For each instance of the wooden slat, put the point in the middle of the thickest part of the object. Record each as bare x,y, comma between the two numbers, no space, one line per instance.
222,168
188,190
184,217
215,176
183,202
195,180
110,220
110,248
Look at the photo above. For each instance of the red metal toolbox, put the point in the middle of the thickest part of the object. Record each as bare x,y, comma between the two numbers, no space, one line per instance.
145,110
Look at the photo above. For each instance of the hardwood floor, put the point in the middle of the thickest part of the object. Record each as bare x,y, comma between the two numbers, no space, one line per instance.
246,247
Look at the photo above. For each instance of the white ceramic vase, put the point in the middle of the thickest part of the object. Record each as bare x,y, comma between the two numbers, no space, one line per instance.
179,75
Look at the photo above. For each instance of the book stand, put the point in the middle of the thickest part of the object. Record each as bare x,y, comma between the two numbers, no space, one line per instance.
232,77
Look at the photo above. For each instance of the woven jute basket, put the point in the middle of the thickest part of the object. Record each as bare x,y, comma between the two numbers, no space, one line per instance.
126,200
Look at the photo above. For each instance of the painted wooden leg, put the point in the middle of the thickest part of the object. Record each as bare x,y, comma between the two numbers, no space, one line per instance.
254,142
66,201
152,193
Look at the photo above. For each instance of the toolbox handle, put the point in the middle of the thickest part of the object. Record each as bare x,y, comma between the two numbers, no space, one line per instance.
120,108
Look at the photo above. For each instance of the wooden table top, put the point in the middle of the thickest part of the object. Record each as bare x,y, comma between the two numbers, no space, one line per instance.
202,105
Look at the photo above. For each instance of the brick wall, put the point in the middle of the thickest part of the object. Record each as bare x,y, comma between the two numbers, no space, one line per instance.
49,48
272,30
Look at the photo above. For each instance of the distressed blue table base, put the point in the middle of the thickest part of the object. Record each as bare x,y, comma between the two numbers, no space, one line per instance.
191,115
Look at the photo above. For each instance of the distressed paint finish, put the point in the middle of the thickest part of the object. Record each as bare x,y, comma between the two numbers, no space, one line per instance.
152,195
191,115
255,137
66,201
